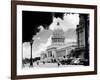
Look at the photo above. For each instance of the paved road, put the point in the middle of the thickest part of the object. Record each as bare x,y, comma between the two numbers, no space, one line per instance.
50,65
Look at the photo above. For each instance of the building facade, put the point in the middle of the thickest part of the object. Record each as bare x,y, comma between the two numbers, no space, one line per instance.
58,49
82,30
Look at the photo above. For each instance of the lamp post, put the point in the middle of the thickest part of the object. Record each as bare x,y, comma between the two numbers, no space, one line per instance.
31,62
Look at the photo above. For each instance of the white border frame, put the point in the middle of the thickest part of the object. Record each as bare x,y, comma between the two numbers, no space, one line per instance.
34,71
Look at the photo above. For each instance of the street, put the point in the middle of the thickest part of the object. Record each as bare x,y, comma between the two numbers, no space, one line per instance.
48,65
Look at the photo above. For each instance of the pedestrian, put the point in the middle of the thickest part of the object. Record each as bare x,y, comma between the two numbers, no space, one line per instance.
58,64
37,63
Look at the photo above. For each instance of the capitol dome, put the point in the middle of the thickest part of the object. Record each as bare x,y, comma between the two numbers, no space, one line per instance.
58,33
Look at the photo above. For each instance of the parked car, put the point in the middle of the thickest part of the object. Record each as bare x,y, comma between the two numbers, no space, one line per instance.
78,61
66,61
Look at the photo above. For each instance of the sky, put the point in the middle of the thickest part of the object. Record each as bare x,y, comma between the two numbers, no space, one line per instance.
42,38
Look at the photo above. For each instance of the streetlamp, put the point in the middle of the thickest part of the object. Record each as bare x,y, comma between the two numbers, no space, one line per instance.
31,61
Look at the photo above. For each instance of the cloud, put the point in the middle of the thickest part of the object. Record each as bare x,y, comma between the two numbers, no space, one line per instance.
71,33
68,21
53,25
71,19
41,47
26,50
38,38
41,27
70,40
35,53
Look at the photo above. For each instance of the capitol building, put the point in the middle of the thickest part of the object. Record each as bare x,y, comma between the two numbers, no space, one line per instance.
58,49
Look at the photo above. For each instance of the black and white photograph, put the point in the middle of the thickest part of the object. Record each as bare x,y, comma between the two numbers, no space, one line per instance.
53,39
